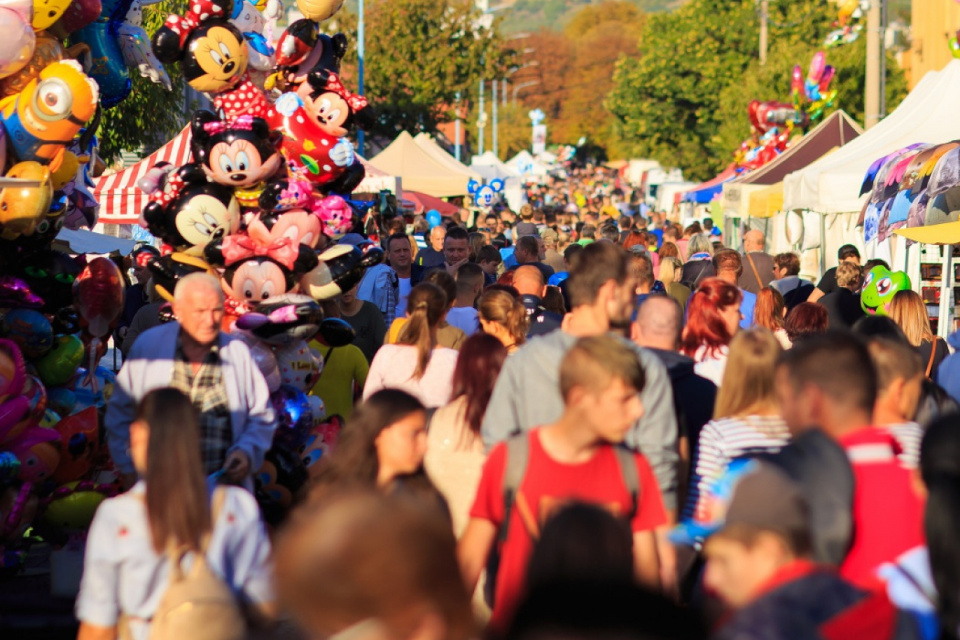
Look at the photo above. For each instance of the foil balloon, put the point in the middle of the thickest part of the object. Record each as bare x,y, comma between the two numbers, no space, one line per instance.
23,207
15,292
212,53
321,442
318,408
73,506
879,287
29,329
38,451
36,394
98,296
283,320
19,40
61,400
50,419
278,482
79,442
294,417
300,365
311,152
94,390
14,418
319,10
264,358
187,211
12,369
108,69
46,12
9,467
79,14
63,99
50,274
60,364
48,50
167,270
137,51
341,267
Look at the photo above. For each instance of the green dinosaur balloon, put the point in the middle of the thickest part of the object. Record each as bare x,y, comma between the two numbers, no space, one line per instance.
879,288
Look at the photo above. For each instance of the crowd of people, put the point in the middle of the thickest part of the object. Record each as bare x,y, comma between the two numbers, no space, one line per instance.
575,420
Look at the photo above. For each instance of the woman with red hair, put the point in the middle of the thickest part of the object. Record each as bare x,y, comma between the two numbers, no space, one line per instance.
455,453
806,320
713,317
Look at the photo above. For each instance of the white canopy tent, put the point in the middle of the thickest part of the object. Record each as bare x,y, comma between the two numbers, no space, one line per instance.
435,151
491,167
927,115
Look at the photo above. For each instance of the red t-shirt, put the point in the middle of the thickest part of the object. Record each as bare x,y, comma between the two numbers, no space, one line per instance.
546,486
887,512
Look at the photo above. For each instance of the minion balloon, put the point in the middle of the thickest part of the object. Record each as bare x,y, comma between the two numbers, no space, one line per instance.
50,110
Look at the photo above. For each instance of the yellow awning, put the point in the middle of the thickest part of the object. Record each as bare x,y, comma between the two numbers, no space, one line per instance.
946,233
766,202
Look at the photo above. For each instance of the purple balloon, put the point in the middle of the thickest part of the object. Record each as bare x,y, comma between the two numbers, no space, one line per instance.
294,417
16,293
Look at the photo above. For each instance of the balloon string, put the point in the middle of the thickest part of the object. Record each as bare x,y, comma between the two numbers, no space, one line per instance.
14,516
92,366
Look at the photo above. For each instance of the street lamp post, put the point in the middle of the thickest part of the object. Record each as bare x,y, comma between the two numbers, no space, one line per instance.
456,131
493,95
360,60
481,121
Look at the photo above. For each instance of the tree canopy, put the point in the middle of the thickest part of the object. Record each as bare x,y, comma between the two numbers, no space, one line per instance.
683,100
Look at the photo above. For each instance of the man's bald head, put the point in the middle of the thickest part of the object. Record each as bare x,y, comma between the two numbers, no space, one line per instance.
659,322
754,240
528,280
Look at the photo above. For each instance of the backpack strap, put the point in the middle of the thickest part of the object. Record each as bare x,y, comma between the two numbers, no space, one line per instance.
631,478
515,467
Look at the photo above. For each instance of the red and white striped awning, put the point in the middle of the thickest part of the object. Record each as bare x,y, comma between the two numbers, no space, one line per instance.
121,201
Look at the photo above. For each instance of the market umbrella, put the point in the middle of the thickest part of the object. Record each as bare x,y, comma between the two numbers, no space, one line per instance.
931,159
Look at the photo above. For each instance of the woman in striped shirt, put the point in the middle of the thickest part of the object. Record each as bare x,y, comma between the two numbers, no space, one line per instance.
746,419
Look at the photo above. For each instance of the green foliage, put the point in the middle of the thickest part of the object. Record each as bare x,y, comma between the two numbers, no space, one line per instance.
419,54
150,115
684,101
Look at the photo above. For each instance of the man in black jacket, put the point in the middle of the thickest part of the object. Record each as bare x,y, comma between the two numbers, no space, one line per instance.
657,327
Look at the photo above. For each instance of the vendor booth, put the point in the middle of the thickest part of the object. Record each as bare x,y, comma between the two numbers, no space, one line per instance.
419,169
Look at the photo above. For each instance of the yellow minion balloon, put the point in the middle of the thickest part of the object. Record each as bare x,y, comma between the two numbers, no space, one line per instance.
49,112
22,207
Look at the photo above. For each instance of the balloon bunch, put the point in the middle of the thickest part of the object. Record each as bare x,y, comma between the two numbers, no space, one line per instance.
812,95
774,124
46,99
55,314
849,23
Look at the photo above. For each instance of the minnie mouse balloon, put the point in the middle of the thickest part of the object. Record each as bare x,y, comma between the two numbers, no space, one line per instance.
294,417
300,365
98,295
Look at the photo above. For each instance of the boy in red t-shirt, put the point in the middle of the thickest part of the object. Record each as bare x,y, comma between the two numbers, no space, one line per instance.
573,459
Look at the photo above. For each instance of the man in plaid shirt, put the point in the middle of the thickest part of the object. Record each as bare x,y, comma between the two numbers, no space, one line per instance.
215,369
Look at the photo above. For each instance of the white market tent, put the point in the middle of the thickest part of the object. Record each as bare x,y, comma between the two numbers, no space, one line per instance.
928,115
428,144
526,165
491,167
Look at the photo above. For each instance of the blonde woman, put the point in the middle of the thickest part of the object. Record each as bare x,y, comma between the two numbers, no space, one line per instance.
504,317
746,418
910,313
670,272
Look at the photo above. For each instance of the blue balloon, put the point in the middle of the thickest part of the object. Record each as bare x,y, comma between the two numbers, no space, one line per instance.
108,68
433,218
294,417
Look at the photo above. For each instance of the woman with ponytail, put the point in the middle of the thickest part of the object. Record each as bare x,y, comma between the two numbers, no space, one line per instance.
504,317
127,566
926,580
417,364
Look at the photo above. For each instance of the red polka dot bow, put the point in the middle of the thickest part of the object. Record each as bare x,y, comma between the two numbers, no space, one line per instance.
334,85
198,11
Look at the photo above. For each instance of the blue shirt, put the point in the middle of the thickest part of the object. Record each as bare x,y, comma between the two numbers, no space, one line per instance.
509,260
746,309
557,278
122,574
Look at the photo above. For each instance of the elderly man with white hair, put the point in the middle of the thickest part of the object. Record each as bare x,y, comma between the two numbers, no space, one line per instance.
214,369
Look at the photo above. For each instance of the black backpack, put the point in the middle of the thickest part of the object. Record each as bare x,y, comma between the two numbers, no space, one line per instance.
515,468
